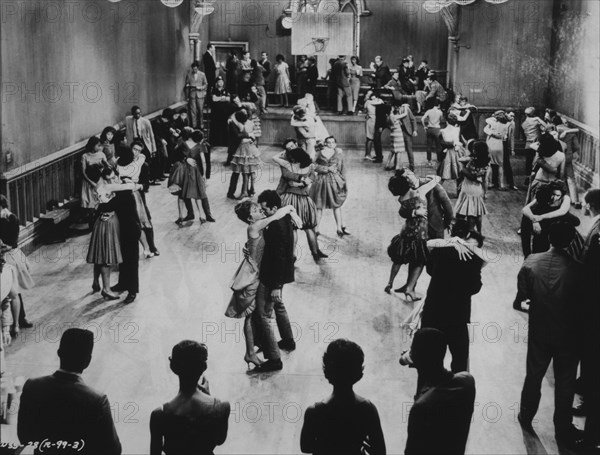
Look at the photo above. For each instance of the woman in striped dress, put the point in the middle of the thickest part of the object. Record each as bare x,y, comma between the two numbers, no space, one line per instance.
398,147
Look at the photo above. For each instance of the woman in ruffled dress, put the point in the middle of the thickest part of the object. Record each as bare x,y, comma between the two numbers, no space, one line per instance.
329,190
283,86
452,150
105,246
470,204
410,246
187,176
297,174
246,160
243,301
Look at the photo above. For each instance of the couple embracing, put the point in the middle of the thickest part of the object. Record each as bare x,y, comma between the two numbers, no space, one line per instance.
258,283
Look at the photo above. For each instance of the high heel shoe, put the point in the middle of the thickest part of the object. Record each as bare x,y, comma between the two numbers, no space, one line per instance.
14,331
202,220
252,360
401,290
411,297
388,289
108,296
95,288
340,234
148,254
321,254
345,231
179,221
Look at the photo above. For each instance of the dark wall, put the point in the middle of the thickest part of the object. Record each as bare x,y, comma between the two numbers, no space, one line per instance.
395,29
509,61
400,28
575,79
69,69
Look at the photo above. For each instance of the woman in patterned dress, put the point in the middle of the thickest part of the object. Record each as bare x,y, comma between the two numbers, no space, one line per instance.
329,190
470,205
410,246
398,146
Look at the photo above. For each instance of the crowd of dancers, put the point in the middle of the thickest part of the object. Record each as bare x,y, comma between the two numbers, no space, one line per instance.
559,268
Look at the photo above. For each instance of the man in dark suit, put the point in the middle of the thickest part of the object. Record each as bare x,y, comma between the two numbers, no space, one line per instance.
440,419
552,282
448,302
61,407
210,67
276,269
409,130
590,339
196,86
341,78
382,72
382,111
130,250
406,77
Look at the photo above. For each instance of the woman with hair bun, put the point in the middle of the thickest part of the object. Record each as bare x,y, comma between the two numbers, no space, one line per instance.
470,205
344,422
193,421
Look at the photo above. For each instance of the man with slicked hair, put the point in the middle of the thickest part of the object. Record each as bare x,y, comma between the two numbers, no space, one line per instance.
61,407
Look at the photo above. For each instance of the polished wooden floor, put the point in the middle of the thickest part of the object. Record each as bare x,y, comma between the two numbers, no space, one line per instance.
186,289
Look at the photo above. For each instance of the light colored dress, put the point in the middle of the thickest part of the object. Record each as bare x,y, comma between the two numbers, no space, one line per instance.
449,167
321,132
88,193
243,302
247,156
397,135
496,145
470,200
329,190
282,79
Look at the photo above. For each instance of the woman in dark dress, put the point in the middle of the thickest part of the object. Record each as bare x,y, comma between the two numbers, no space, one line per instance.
410,246
105,245
344,423
110,143
220,113
193,421
187,179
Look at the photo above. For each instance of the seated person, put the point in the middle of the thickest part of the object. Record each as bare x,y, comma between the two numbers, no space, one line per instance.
193,421
61,407
344,423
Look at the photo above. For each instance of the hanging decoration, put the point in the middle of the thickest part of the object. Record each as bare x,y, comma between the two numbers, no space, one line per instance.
204,8
172,3
435,6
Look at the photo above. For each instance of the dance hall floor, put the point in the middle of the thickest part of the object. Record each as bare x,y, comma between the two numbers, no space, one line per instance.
184,293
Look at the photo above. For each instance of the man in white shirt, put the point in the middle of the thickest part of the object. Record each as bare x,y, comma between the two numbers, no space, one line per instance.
431,122
196,85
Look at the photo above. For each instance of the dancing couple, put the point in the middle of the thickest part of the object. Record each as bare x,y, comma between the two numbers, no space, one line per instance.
258,283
